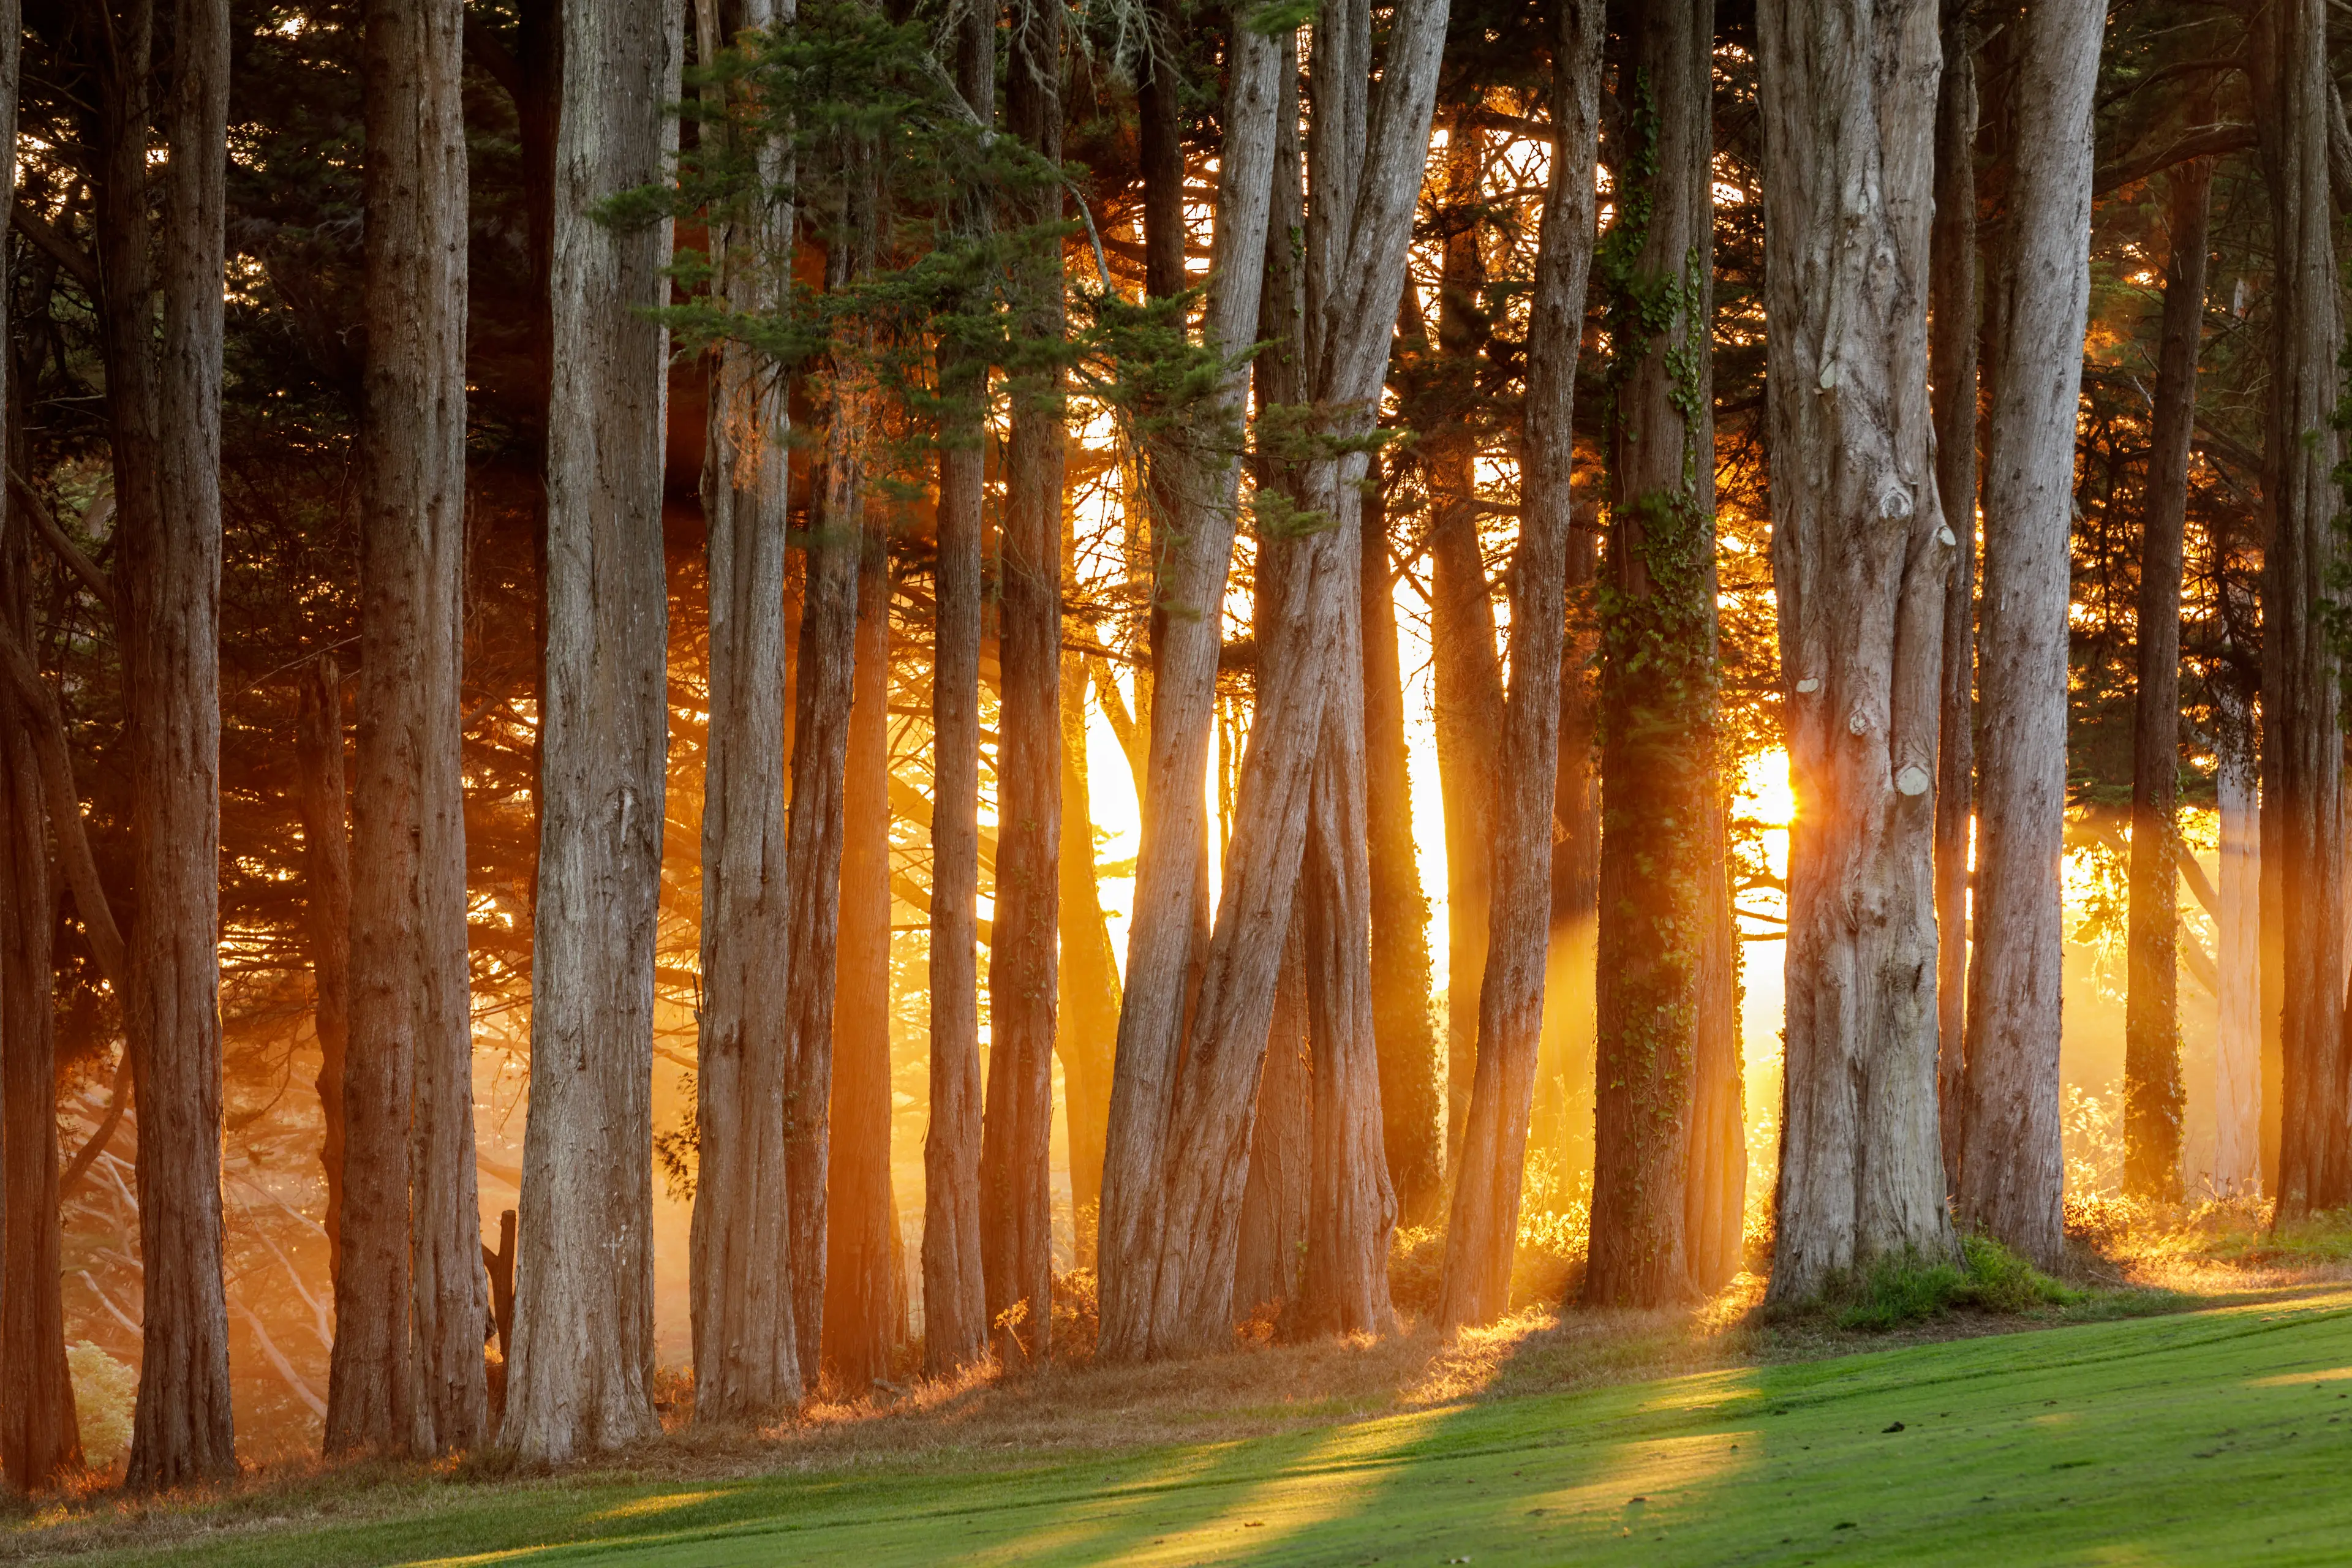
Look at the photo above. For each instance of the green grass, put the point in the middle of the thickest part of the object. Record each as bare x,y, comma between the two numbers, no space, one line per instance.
2215,1436
1894,1291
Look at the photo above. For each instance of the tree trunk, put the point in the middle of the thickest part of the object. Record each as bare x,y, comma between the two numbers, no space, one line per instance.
324,804
2153,1095
1087,982
2288,54
1659,790
1565,1107
747,1361
1016,1234
582,1376
955,1315
1273,1240
1952,371
2012,1172
1860,560
2237,1099
865,1284
163,400
1411,1108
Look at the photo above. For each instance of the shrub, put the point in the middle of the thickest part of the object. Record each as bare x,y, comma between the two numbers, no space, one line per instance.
1894,1290
104,1394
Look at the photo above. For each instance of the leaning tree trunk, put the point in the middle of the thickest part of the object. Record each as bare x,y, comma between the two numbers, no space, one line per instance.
582,1369
2300,707
324,804
412,1297
1658,765
1482,1234
2238,1091
2153,1095
955,1314
1952,372
1016,1236
1860,559
864,1282
165,401
2012,1172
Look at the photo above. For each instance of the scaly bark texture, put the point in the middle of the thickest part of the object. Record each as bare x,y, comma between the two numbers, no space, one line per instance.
2287,55
2012,1173
1658,684
582,1376
1482,1233
747,1361
955,1313
1275,1201
865,1271
1860,559
1952,372
2154,1097
407,1372
2238,1089
1016,1237
323,805
163,403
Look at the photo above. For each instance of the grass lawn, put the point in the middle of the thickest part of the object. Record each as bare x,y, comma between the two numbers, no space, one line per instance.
2219,1436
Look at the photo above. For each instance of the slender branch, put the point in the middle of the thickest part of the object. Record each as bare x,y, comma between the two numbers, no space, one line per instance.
45,524
51,241
103,1134
64,803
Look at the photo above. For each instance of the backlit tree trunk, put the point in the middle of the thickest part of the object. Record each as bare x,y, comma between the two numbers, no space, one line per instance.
955,1314
1860,560
2154,1097
1952,370
2238,1093
2291,88
163,402
322,801
2012,1180
1087,982
1017,1201
583,1368
1272,1238
1482,1234
747,1361
1659,844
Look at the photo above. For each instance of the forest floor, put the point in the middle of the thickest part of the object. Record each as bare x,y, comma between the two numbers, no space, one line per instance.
2191,1403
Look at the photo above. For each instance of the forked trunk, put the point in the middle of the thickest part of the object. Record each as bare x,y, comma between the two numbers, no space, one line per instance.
1860,560
2154,1097
582,1375
1482,1234
2012,1173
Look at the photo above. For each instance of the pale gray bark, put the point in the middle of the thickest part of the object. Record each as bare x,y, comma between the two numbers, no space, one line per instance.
1482,1234
747,1361
2012,1173
581,1381
1273,1238
2238,1091
1860,559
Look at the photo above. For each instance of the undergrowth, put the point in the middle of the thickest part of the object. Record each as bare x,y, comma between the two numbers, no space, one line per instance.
1897,1290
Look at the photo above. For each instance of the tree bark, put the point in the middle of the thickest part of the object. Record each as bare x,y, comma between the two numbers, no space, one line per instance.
1658,783
747,1361
1016,1176
163,402
1412,1109
1087,982
2238,1091
864,1278
955,1313
2291,89
2154,1097
1860,559
324,804
1952,371
580,1380
2012,1172
1275,1200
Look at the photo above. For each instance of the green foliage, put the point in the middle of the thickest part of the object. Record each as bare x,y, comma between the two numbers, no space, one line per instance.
1907,1288
105,1393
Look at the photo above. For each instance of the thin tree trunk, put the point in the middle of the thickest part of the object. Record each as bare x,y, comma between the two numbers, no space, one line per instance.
955,1315
1015,1175
747,1361
1564,1110
2012,1172
2291,90
865,1283
583,1369
1087,985
1860,560
2154,1097
1658,783
1952,370
1411,1107
324,804
2237,1100
1273,1236
163,397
